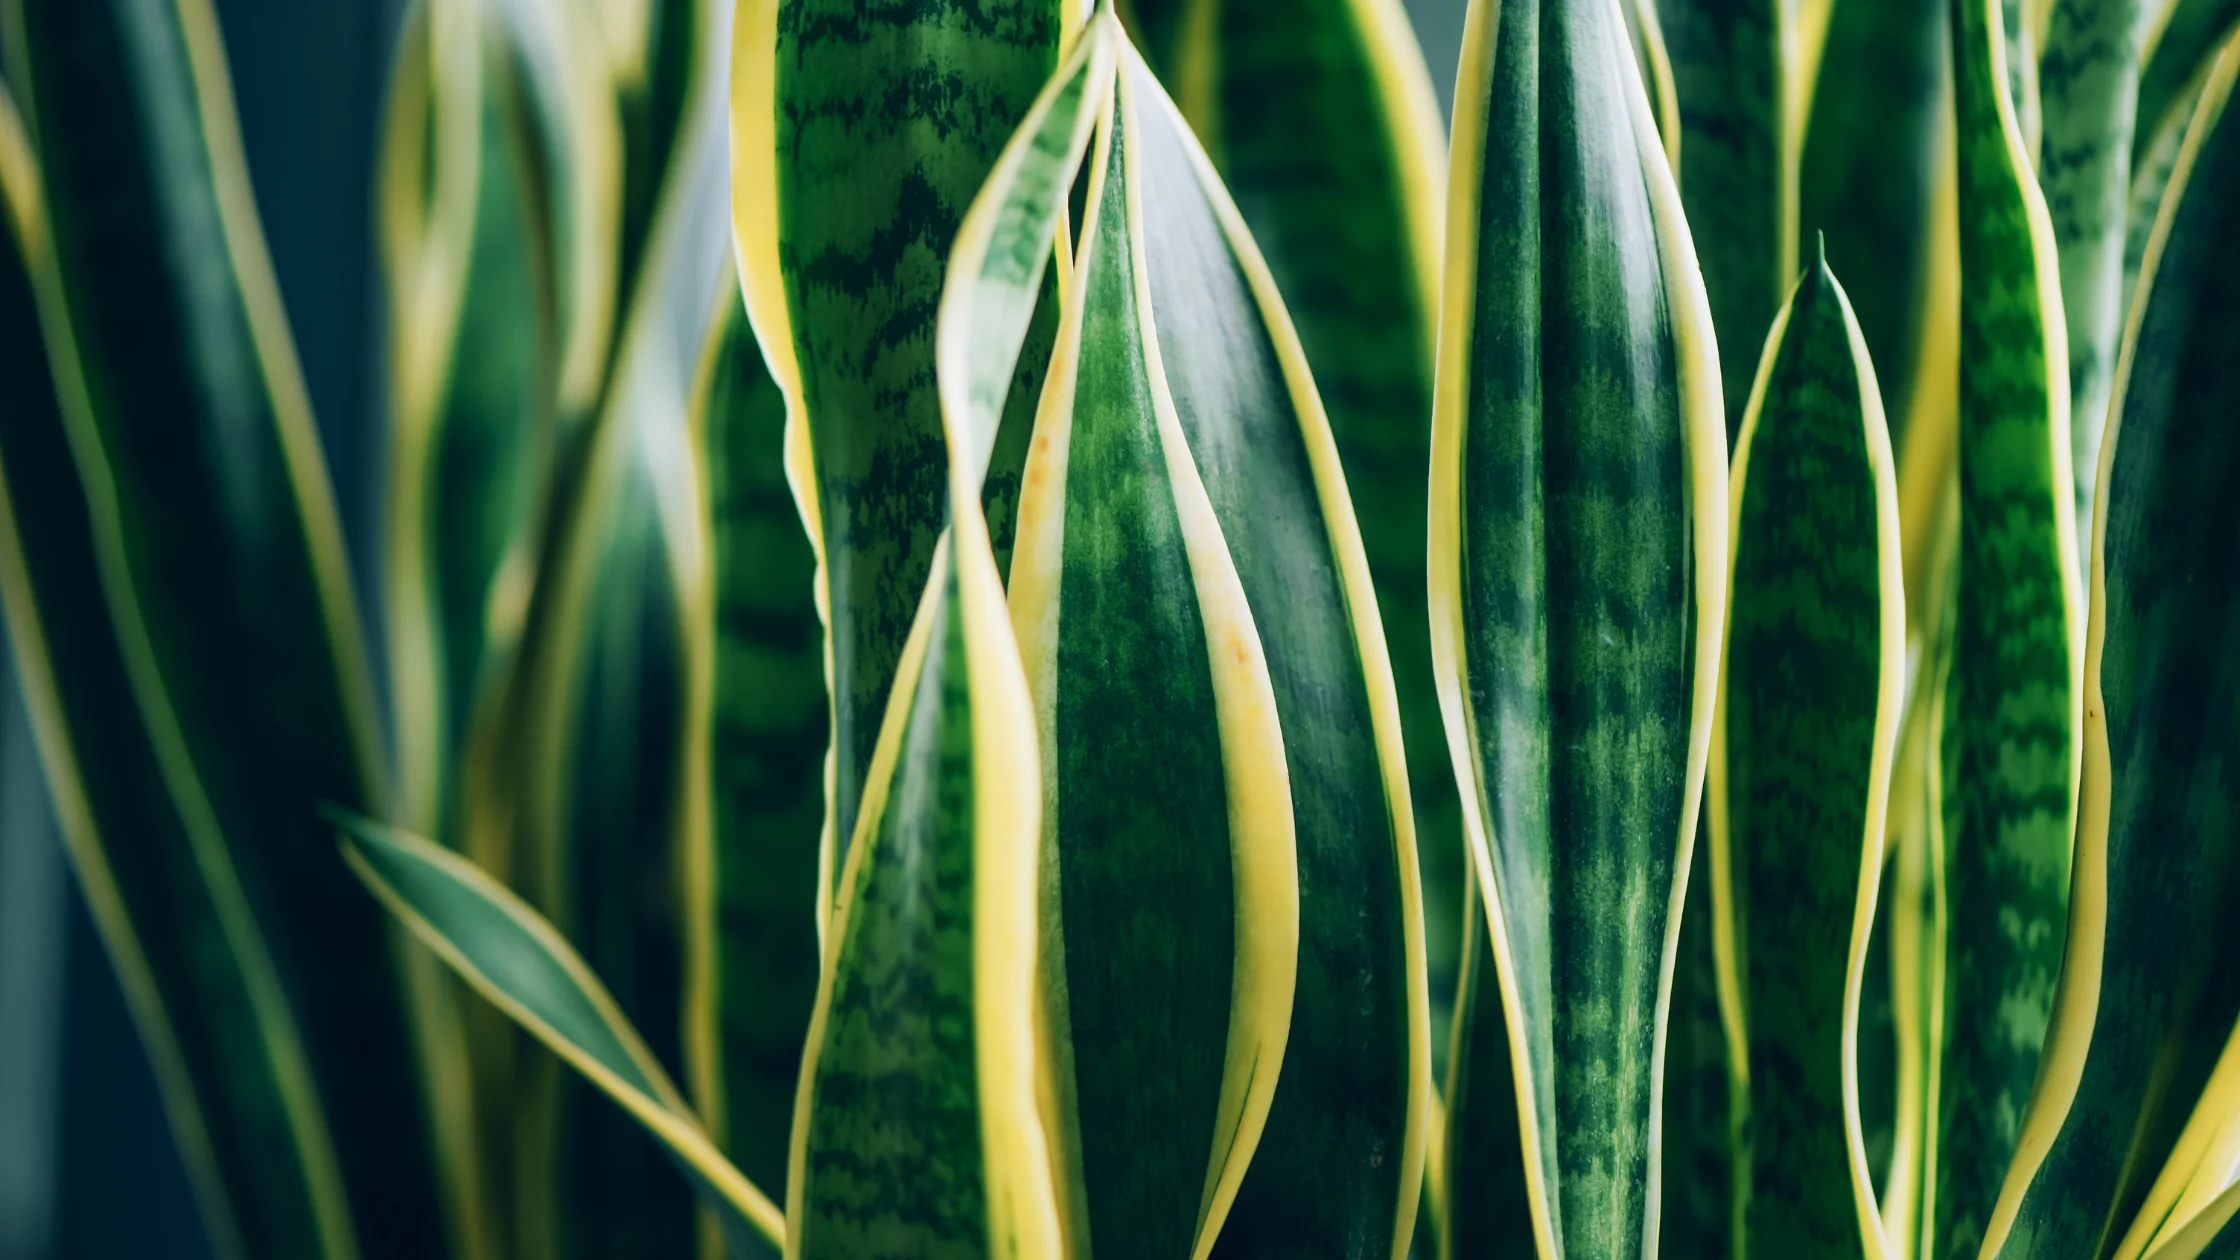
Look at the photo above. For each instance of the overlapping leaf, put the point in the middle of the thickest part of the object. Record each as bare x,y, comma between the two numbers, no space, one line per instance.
2008,758
215,539
2147,997
154,869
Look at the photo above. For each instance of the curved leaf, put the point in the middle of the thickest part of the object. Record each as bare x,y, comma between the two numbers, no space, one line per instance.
860,134
1800,772
2008,770
1193,610
215,534
1320,120
514,958
2147,994
1577,585
1483,1146
156,874
2181,40
920,1121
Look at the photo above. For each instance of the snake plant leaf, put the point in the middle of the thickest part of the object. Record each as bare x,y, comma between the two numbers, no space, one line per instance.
927,1021
755,751
470,382
2154,158
1320,119
859,137
1578,563
2147,996
1735,69
1483,1147
1194,612
1867,183
155,871
215,535
623,702
1803,751
1654,60
2011,708
2022,32
2088,88
2180,40
513,957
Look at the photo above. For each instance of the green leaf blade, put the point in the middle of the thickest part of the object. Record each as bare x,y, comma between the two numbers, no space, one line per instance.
1815,654
511,956
2011,710
1578,476
216,536
2127,1057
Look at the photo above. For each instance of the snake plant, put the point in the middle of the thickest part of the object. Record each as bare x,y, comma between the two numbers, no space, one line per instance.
1029,628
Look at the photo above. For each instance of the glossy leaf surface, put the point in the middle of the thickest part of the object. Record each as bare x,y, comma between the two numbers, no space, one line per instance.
1578,560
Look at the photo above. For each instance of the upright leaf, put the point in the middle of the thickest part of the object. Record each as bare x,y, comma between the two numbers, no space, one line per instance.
920,1124
2147,992
2009,741
860,133
1735,67
1194,612
1483,1145
1320,119
164,891
1800,772
2088,87
1577,585
215,536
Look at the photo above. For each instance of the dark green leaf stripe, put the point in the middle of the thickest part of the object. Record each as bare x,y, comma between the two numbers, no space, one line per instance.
154,869
215,533
1734,63
755,803
861,134
1341,1160
1578,556
1800,772
1320,119
2009,756
515,959
1483,1147
2088,84
2147,992
1157,727
1867,182
2182,39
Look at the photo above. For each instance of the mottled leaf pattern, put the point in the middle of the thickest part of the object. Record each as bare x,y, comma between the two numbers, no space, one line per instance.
2147,996
2009,742
1577,578
1800,772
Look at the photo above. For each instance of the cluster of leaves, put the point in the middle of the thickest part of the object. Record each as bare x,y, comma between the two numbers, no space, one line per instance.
1104,668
